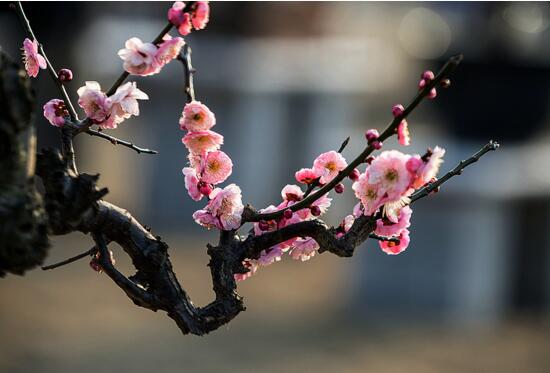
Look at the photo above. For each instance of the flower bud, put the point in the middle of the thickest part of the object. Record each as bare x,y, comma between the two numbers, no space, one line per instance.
377,145
315,210
263,225
369,159
428,75
397,110
288,214
65,75
354,175
205,188
432,94
339,188
94,264
371,135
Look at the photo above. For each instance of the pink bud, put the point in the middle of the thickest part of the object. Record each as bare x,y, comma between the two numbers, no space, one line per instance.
377,145
371,135
397,110
354,175
421,84
413,164
428,75
315,210
95,265
263,225
288,214
339,188
432,94
65,75
204,188
369,159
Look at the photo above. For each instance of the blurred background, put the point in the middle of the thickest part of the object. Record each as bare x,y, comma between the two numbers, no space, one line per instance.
288,81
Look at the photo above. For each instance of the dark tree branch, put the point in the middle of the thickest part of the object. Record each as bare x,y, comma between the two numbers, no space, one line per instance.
382,238
23,222
431,187
116,141
70,260
188,72
250,215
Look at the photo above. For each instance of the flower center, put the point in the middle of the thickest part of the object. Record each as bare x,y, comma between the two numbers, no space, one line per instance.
331,166
371,194
197,117
391,175
214,166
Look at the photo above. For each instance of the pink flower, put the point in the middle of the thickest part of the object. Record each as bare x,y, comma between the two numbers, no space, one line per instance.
180,19
327,165
139,57
370,194
268,226
385,227
95,103
306,176
191,183
345,225
403,135
223,211
292,193
197,117
202,141
201,15
32,59
124,104
55,112
430,167
304,249
391,248
216,168
390,172
272,255
321,205
252,267
169,49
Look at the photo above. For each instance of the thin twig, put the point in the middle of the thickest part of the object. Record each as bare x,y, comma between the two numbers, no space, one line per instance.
250,215
116,141
430,187
382,238
90,252
26,24
188,72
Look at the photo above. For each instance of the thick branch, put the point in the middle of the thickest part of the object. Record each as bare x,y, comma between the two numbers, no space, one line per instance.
251,215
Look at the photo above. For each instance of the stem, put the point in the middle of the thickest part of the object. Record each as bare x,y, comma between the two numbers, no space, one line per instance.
250,215
188,71
92,251
430,187
116,141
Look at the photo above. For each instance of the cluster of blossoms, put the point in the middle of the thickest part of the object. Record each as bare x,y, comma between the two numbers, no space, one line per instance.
209,166
185,20
146,58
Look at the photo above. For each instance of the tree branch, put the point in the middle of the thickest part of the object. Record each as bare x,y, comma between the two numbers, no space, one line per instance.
70,260
117,141
250,215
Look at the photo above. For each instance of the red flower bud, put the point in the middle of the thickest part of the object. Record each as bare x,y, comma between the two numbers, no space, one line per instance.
339,188
315,210
354,175
65,75
288,214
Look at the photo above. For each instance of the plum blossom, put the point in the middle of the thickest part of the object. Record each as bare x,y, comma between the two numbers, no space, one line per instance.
191,183
201,15
202,141
306,176
95,103
387,228
139,57
389,171
304,249
179,18
224,209
403,134
430,169
292,193
252,267
327,165
371,195
217,167
55,112
345,225
197,117
169,49
124,104
31,58
272,255
392,248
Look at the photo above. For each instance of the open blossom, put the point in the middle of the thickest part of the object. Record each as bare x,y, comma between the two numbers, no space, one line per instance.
31,58
197,117
217,166
202,141
392,248
292,193
95,103
304,249
306,176
327,165
371,195
223,211
389,171
179,18
169,49
191,183
55,112
123,104
387,228
201,15
430,169
272,255
139,57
